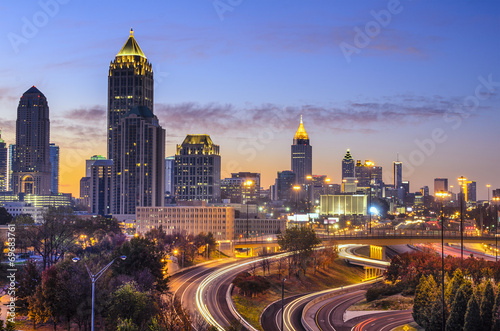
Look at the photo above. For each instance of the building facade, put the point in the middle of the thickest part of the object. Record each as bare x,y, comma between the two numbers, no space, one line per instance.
197,170
54,168
258,227
355,204
188,220
10,162
100,187
440,184
283,185
138,162
301,155
348,166
31,169
3,165
169,175
242,187
130,83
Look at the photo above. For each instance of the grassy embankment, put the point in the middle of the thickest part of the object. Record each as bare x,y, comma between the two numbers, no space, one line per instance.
339,273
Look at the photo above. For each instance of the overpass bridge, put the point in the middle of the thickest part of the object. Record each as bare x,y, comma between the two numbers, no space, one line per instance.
374,237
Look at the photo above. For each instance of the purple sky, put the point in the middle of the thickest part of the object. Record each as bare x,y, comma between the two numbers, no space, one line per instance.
423,84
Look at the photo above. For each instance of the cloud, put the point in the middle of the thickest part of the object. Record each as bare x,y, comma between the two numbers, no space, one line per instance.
94,114
359,116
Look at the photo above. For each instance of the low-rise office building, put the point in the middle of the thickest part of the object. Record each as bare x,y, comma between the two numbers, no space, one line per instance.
188,220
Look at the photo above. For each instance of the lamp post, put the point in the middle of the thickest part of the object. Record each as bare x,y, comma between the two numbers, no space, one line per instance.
495,215
369,210
488,188
296,188
94,278
248,184
442,194
282,300
462,180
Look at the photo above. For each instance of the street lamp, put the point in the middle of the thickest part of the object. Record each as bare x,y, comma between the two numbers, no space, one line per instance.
496,200
94,278
462,180
488,188
282,300
442,194
248,184
296,188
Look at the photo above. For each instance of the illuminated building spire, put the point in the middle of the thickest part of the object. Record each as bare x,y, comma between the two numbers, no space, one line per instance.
301,133
131,47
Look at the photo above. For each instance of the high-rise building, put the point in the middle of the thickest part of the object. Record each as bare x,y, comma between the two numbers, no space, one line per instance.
301,155
242,187
10,161
100,187
283,185
3,165
138,162
368,174
54,170
470,192
440,184
348,166
130,83
424,190
89,163
197,169
398,173
85,188
31,170
169,172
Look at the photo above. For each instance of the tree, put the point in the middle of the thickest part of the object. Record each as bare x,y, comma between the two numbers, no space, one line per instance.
143,256
436,313
486,308
453,286
472,315
29,279
496,313
127,303
5,217
301,242
53,237
425,295
456,320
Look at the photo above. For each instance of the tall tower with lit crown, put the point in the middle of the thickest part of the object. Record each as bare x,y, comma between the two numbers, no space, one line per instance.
31,169
301,155
130,83
348,165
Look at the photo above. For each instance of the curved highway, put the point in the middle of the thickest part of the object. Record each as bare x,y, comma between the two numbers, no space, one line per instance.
383,321
330,316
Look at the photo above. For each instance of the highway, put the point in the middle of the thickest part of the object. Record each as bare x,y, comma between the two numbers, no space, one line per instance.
185,284
382,321
330,316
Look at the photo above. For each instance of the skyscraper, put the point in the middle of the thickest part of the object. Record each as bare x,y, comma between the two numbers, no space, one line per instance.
284,183
130,83
398,174
169,171
100,187
440,184
301,155
3,165
31,170
138,162
10,161
197,169
54,171
348,166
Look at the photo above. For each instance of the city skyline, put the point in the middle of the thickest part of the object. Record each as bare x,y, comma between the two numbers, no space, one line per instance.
410,103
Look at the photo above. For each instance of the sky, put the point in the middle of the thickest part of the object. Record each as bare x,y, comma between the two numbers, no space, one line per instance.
414,80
